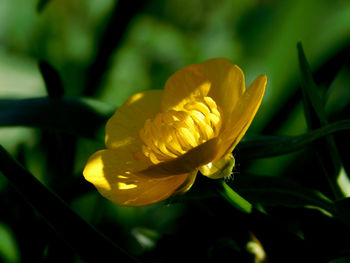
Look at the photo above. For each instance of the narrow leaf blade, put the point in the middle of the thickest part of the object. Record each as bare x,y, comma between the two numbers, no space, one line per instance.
52,80
313,102
326,150
75,116
268,146
272,191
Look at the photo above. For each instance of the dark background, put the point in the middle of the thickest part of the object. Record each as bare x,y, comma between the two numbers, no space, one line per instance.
106,50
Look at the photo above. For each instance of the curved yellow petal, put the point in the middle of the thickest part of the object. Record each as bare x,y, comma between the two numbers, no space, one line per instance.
187,184
217,78
228,83
241,117
112,174
187,162
183,86
123,128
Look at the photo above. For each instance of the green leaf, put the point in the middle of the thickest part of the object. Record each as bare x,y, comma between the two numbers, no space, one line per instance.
313,102
272,191
327,152
52,80
82,237
76,116
268,146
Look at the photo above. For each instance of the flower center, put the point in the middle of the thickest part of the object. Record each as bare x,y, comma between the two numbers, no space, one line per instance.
175,132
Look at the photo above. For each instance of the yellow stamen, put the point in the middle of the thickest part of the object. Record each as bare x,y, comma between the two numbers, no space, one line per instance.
174,132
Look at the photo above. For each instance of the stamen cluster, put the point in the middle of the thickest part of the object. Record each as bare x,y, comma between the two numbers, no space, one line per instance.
173,133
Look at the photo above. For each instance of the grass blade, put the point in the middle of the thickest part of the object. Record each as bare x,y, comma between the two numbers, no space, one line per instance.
326,150
268,146
272,191
76,116
52,80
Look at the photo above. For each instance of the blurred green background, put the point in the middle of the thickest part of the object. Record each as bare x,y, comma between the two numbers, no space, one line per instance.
107,50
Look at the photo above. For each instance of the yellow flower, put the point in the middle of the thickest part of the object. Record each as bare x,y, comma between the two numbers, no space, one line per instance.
158,140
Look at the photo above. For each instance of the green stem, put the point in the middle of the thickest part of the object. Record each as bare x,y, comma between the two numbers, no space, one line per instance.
234,198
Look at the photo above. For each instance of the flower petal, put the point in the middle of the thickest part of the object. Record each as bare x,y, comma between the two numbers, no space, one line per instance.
187,184
111,173
187,162
124,126
241,117
217,78
227,83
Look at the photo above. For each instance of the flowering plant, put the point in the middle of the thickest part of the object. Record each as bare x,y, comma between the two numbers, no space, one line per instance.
158,140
